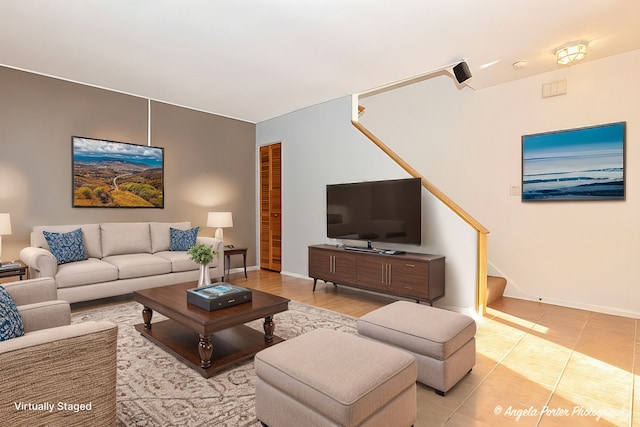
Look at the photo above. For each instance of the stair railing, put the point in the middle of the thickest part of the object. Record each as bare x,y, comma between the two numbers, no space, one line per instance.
482,232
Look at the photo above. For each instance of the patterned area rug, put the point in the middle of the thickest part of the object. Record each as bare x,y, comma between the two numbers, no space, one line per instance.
155,389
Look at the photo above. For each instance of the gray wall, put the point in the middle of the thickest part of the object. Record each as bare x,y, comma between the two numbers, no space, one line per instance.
320,146
209,159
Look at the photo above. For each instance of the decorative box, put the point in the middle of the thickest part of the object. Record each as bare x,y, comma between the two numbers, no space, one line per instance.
218,295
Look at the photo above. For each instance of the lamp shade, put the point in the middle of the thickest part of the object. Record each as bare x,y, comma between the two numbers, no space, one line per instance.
5,224
220,219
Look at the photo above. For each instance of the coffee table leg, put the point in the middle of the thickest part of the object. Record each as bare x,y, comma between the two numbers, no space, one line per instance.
268,329
205,348
147,313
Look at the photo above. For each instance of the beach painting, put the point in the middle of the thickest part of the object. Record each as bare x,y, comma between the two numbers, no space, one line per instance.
109,174
576,164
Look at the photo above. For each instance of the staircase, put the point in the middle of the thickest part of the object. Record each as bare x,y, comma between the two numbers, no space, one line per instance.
482,232
495,288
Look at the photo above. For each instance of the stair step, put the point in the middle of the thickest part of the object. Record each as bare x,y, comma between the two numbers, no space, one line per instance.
495,288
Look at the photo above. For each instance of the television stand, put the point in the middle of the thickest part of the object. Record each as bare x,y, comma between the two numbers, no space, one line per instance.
409,275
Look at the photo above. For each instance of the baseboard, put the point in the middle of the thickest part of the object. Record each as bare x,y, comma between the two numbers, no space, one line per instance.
241,270
514,291
469,311
581,306
296,275
465,310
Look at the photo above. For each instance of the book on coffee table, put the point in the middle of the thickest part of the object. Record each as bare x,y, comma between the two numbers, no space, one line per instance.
9,266
218,295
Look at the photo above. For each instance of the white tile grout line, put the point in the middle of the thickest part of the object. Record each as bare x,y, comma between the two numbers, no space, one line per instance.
555,386
498,363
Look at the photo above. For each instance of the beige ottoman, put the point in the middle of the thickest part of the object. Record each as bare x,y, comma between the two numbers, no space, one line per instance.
331,378
442,341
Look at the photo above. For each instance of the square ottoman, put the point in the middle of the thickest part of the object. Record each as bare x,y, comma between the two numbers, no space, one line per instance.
442,341
332,378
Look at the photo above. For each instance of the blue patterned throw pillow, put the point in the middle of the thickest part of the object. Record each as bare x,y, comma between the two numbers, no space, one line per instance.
182,240
11,325
66,247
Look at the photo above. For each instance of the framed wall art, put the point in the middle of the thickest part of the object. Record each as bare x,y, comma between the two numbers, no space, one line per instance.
109,174
576,164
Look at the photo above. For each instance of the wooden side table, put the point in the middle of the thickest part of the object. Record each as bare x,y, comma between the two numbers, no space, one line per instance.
235,251
17,268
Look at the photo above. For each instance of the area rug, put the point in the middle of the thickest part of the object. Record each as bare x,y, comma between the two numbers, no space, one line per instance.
155,389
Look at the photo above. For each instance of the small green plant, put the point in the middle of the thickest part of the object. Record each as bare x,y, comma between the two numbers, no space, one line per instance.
202,254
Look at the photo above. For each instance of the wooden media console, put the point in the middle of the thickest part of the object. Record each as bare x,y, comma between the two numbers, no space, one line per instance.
409,275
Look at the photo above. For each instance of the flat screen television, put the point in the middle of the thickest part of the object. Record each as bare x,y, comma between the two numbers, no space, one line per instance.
381,211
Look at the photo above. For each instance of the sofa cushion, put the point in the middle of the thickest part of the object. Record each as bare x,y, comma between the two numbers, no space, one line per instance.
66,247
119,238
11,325
182,240
90,237
160,238
85,273
180,260
138,265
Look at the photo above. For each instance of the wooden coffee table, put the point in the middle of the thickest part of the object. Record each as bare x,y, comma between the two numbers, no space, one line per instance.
208,341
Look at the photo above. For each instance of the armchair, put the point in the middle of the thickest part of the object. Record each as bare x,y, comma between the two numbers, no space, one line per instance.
57,373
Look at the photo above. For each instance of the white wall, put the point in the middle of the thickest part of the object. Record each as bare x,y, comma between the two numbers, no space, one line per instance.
468,143
320,146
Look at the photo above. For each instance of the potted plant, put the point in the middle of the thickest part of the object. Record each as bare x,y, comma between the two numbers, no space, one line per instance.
202,255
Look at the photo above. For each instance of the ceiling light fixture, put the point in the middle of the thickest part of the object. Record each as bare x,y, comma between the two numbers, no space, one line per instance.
571,52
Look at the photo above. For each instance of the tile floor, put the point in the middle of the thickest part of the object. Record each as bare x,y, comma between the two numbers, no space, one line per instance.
545,365
537,364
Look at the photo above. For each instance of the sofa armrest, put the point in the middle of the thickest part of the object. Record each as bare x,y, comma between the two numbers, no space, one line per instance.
32,291
74,365
44,315
216,244
40,261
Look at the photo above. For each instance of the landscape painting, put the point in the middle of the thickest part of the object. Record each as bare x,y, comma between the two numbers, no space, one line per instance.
576,164
109,174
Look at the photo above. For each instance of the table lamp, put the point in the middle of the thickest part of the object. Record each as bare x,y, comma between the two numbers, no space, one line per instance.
219,220
5,229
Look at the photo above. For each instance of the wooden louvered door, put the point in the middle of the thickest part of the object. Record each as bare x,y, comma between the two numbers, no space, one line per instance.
270,207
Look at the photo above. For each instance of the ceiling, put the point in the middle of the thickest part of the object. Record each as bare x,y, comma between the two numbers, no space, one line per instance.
257,59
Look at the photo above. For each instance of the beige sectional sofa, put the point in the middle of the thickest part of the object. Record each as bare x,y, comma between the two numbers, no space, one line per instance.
121,258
